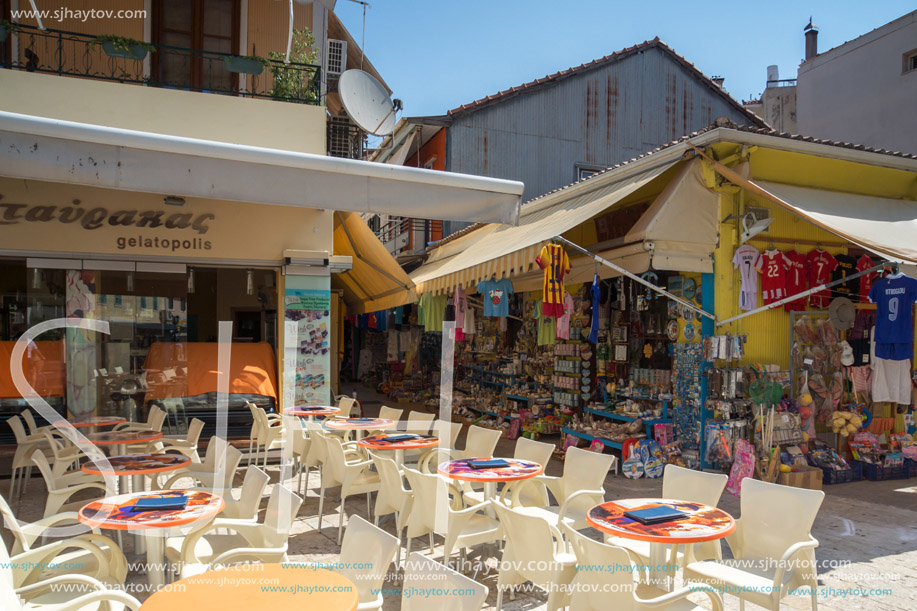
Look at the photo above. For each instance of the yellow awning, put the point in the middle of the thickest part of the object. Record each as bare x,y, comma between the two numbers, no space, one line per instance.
510,252
376,281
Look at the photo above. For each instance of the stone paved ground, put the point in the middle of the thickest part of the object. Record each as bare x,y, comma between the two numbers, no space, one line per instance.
866,530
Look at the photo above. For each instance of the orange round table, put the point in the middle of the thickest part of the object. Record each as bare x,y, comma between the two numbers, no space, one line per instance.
114,513
258,586
94,421
116,439
137,465
398,442
311,411
359,424
703,523
517,470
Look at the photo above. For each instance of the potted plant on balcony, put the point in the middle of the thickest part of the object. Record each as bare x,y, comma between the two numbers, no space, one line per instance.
247,64
123,48
7,28
291,82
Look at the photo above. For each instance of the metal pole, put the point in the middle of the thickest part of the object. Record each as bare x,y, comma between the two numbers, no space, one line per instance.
801,295
637,278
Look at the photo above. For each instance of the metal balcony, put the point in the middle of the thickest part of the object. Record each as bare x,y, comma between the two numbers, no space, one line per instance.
83,55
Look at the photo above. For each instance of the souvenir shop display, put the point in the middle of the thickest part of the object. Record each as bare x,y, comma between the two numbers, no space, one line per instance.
689,413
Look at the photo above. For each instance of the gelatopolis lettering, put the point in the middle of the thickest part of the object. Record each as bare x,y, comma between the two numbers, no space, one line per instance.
94,218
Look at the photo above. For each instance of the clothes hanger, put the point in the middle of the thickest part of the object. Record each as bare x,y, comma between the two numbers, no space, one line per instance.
772,246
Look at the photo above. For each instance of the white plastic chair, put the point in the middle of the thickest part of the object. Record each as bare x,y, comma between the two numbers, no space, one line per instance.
248,504
22,457
154,421
183,444
390,413
354,476
419,422
34,429
535,494
480,442
576,491
269,433
682,484
372,549
267,541
347,405
772,546
61,489
64,455
297,443
89,554
206,473
430,459
460,526
608,584
535,551
72,592
424,575
393,496
316,453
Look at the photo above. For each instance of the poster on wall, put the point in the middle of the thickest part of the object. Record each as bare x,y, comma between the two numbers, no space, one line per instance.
307,341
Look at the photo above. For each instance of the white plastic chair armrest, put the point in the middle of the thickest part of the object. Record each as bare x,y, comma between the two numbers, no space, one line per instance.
35,529
41,556
82,602
598,494
473,509
682,593
70,490
788,555
517,487
270,552
59,579
553,483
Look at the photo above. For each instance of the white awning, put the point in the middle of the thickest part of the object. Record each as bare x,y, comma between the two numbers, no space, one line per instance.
679,230
511,251
886,227
52,150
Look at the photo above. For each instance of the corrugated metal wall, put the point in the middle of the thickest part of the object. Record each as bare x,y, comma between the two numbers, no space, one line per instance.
598,118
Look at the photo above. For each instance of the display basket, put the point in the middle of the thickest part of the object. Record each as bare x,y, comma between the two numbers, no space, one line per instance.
853,473
911,466
875,473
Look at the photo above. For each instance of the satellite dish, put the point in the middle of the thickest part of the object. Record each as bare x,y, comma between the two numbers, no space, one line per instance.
753,227
367,102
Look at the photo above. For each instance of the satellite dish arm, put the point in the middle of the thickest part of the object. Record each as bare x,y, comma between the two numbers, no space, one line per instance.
290,35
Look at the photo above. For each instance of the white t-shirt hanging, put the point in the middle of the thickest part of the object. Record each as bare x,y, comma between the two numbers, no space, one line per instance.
468,326
745,260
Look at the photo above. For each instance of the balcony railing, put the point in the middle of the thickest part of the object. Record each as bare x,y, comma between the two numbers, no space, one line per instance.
396,234
83,55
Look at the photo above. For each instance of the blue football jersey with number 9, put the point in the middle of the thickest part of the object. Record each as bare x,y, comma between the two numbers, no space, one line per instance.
894,297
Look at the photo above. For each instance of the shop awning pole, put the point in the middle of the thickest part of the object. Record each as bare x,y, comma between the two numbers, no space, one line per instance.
801,295
637,278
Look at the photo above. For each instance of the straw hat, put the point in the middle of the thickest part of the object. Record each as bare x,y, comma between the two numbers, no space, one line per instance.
841,313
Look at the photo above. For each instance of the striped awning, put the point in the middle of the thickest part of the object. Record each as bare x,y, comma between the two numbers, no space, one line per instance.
509,252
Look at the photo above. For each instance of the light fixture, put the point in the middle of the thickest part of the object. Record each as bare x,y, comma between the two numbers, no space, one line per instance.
249,282
130,282
172,200
190,280
36,278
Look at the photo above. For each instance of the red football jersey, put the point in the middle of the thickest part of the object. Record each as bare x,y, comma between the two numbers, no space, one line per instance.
821,264
772,265
797,279
864,263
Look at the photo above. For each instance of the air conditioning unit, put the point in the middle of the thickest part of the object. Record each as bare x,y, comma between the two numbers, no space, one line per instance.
337,57
344,138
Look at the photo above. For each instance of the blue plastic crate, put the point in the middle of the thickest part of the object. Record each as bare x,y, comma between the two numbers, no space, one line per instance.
875,473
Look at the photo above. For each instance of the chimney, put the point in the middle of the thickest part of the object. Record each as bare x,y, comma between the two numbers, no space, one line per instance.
811,32
719,80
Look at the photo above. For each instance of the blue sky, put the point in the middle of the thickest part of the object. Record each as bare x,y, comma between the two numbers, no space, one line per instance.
437,55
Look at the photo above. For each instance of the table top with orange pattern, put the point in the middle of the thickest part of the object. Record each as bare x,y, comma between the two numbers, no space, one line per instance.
274,586
380,442
312,410
139,464
108,438
114,512
704,523
518,469
96,421
360,424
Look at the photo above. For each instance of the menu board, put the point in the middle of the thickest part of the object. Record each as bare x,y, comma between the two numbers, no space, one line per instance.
307,341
